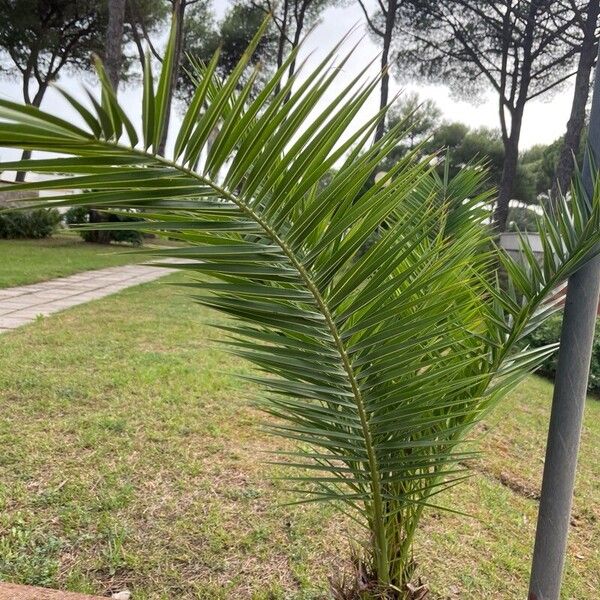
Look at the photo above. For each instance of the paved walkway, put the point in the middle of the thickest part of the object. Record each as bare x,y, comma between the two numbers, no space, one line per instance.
23,304
10,591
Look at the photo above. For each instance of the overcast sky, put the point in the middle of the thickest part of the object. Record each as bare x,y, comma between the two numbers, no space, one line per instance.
544,120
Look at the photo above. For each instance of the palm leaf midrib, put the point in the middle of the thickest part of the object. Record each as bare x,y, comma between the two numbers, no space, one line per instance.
374,471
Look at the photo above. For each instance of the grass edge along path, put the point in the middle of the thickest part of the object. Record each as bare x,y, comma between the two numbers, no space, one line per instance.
26,262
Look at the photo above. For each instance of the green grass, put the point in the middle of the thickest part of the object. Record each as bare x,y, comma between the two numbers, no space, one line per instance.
32,261
131,457
492,550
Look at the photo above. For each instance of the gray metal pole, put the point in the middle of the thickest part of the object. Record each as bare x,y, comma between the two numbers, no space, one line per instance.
570,386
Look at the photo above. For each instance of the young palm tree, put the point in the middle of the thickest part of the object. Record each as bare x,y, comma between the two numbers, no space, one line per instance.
376,317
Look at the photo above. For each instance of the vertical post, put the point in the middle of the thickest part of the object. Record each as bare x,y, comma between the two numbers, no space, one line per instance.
570,387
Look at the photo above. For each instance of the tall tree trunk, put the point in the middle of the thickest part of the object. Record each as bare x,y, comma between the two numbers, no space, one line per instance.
36,101
509,170
178,14
299,17
281,40
282,34
20,176
113,56
390,21
572,140
113,52
511,142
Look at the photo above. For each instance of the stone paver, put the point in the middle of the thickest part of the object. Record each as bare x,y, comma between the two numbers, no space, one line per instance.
10,591
23,304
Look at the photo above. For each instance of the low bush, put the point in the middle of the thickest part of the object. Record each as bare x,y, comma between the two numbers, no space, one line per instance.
33,224
78,215
549,333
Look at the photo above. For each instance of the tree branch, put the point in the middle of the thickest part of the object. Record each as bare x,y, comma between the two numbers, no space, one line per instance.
136,14
551,85
370,23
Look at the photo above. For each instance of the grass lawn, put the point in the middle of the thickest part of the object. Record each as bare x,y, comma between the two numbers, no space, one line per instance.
31,261
130,457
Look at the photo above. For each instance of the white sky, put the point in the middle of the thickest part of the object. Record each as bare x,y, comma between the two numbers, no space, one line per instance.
544,120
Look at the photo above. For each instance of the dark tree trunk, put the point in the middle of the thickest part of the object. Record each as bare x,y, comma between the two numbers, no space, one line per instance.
299,15
98,237
390,21
587,57
113,53
179,14
282,39
509,171
37,101
282,34
20,176
511,142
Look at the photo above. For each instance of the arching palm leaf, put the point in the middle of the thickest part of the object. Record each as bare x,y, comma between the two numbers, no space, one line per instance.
374,316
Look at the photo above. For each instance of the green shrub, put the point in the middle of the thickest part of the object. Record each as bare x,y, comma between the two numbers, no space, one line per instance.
33,224
78,215
549,333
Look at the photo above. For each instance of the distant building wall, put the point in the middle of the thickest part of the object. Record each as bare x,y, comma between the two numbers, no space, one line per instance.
511,243
7,196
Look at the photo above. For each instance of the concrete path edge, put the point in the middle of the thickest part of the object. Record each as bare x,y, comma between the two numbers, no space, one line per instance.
23,304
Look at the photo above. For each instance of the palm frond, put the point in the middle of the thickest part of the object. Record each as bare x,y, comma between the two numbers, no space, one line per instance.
373,317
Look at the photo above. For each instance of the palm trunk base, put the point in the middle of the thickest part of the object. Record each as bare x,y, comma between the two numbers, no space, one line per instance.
363,584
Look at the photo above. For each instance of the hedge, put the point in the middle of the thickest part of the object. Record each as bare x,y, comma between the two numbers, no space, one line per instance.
550,333
32,224
78,215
